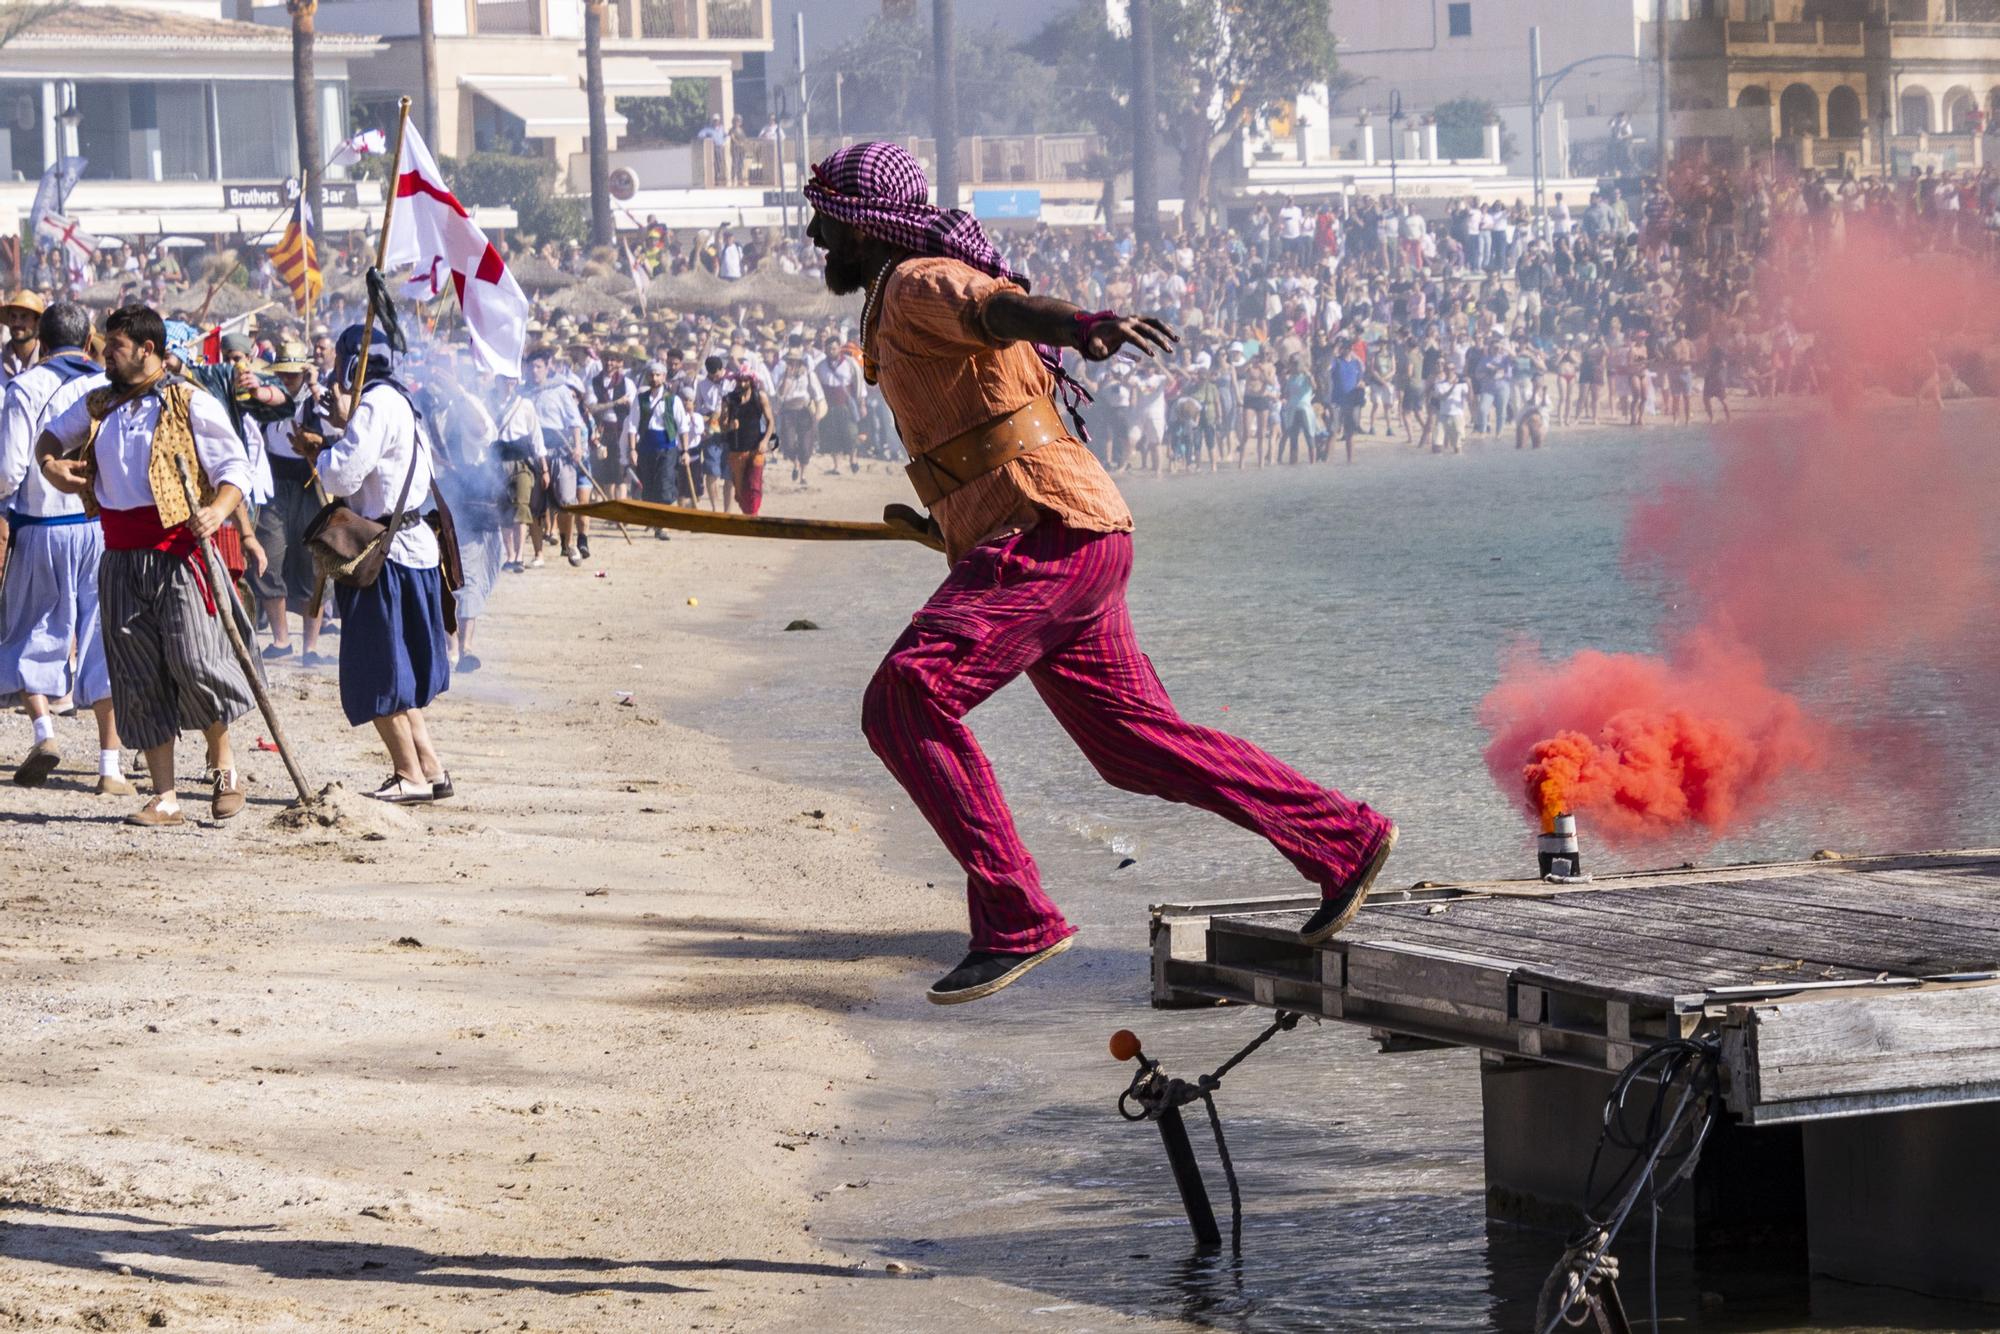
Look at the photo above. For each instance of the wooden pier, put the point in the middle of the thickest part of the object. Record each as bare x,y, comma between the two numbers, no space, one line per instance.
1857,1003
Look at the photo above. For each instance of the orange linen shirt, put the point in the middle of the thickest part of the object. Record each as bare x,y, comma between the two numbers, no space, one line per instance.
943,375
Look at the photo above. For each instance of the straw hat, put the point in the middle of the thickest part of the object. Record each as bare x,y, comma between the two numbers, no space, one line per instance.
293,356
25,299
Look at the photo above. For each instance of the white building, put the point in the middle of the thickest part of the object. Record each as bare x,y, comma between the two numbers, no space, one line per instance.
509,73
1433,51
182,114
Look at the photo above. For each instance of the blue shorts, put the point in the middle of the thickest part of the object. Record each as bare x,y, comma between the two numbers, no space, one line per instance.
712,461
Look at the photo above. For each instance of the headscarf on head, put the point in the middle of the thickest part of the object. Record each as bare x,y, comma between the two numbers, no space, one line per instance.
881,191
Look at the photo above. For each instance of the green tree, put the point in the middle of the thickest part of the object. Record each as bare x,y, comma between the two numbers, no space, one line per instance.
525,184
888,70
1219,64
673,119
1461,125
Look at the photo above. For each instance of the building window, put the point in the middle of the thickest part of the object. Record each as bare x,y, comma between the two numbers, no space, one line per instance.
21,132
247,156
1458,19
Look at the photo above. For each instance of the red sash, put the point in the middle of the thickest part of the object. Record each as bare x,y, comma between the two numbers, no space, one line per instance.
141,530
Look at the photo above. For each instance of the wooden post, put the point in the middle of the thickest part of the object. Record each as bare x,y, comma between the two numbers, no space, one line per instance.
381,251
226,607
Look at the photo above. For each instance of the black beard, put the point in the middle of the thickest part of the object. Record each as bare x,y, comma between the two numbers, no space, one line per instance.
845,274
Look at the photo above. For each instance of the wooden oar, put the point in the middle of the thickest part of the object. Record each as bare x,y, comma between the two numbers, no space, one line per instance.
651,515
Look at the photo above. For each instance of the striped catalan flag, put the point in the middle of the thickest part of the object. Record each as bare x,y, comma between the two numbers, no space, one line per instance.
297,258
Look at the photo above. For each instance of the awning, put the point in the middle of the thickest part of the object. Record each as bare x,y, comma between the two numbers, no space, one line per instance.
636,76
548,105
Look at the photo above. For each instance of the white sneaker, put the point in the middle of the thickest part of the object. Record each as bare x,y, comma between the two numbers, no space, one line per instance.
537,563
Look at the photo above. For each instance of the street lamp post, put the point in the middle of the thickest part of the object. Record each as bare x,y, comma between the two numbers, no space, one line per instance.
1395,133
66,122
1541,87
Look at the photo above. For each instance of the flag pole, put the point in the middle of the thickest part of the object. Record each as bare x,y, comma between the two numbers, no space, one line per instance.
381,248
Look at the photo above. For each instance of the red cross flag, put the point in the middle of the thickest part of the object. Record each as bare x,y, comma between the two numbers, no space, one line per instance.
61,231
431,233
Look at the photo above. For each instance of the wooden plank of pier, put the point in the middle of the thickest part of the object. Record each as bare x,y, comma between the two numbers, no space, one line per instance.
1807,971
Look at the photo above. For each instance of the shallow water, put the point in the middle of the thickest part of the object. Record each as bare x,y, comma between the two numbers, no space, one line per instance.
1349,619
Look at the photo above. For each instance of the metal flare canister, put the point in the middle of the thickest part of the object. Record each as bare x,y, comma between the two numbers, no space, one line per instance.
1556,850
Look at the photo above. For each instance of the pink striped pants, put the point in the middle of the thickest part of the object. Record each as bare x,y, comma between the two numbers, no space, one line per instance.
1051,602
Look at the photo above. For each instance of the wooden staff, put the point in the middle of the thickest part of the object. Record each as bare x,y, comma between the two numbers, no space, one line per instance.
381,248
226,607
651,515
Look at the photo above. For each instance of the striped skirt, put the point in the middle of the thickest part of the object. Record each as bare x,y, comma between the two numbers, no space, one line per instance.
392,644
172,667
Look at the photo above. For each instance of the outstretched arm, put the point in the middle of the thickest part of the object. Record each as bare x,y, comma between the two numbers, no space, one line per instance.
1010,316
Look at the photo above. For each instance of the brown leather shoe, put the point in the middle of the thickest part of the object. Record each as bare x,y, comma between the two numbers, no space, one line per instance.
228,798
41,762
109,785
152,817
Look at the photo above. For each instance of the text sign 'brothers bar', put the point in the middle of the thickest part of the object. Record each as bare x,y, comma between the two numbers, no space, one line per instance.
333,194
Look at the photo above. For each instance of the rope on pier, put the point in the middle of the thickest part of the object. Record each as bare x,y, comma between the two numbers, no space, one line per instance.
1664,1139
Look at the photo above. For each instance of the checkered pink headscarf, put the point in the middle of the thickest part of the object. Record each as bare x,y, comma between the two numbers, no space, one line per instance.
881,190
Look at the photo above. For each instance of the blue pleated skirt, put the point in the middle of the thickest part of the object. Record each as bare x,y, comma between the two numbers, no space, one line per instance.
392,643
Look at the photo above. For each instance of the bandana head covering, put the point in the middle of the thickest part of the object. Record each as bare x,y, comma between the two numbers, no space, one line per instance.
879,189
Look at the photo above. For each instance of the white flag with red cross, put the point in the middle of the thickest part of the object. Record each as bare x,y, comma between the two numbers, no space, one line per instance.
60,230
432,234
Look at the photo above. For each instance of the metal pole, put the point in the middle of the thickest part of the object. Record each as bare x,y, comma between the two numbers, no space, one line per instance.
805,112
1395,133
840,105
778,153
1145,131
1535,113
1663,150
944,101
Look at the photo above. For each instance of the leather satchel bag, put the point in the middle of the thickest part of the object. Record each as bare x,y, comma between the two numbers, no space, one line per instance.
350,549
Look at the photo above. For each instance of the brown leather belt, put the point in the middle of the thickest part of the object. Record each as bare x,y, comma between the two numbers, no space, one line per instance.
983,449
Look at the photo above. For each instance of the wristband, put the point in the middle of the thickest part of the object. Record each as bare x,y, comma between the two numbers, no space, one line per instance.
1087,322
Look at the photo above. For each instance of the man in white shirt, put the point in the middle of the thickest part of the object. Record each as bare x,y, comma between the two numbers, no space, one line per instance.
801,403
49,598
518,440
1292,231
729,258
18,316
171,663
394,654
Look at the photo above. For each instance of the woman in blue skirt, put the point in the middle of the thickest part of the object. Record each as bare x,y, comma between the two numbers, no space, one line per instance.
393,647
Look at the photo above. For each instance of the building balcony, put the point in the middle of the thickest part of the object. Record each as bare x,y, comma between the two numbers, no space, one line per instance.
701,20
1694,39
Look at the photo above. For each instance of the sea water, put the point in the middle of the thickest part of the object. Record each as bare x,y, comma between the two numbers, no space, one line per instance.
1350,619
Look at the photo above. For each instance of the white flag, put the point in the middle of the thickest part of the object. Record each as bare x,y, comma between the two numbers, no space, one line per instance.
431,233
368,143
57,229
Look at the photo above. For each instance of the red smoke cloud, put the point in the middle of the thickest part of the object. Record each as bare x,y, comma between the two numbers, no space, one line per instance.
1645,746
1820,556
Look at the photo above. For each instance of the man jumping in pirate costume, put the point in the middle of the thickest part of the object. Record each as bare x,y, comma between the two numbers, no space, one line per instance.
122,446
1041,550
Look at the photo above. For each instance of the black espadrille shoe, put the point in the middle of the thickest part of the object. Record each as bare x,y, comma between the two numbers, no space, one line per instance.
982,972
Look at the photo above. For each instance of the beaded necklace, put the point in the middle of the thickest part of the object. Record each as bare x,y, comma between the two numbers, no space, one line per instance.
870,308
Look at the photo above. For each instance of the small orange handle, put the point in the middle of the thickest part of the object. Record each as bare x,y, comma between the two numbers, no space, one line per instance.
1124,1044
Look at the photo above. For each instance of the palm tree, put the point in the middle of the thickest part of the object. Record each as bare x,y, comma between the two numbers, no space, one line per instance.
305,101
427,73
600,152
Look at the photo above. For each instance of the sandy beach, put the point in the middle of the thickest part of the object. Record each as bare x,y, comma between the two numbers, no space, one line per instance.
566,1053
